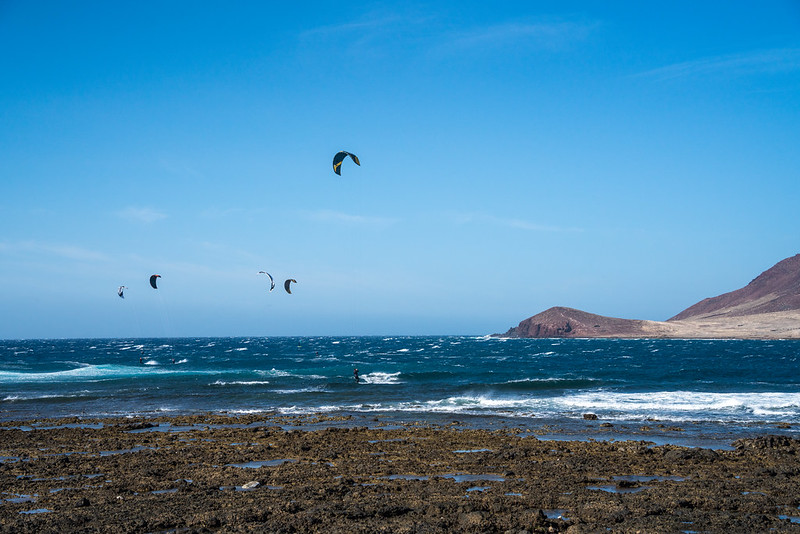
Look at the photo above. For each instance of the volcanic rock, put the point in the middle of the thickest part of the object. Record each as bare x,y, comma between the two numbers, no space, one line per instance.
569,322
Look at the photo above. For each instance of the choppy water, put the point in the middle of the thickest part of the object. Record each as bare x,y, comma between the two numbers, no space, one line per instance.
619,380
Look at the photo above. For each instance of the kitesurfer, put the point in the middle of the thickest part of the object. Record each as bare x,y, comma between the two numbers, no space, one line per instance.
355,375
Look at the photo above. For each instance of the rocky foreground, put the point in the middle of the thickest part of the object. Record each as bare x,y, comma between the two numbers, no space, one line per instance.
250,474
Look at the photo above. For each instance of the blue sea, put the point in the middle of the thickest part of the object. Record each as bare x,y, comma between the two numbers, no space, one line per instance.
733,386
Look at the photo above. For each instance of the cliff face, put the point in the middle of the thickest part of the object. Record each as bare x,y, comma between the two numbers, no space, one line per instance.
768,307
775,290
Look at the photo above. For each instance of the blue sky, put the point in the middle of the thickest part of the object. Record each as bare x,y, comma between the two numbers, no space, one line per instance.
625,158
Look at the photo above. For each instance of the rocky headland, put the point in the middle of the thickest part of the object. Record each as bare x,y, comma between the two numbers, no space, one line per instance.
767,308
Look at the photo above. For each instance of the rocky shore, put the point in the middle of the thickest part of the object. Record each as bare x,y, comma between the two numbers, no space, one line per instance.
281,474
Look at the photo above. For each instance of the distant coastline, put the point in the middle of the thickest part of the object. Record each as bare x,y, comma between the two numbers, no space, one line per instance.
767,308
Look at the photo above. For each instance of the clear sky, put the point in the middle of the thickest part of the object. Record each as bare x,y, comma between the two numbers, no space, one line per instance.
625,158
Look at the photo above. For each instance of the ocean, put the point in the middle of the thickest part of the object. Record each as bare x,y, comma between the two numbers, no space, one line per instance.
729,387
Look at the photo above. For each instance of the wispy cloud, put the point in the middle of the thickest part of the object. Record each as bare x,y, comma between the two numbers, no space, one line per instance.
543,35
371,36
63,251
380,32
747,63
330,216
370,24
520,224
221,213
141,215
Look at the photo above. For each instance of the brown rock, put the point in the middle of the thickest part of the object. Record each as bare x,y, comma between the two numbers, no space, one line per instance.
569,322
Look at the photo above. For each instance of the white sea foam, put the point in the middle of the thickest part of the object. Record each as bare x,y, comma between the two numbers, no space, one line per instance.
666,406
298,410
324,359
240,382
295,391
678,405
279,373
97,373
550,380
81,373
273,372
381,378
15,398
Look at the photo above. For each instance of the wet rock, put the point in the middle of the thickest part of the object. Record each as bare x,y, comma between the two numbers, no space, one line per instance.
686,454
470,519
392,511
204,520
139,425
604,512
767,442
590,416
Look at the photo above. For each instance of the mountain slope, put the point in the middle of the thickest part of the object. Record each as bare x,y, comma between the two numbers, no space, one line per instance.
775,290
767,308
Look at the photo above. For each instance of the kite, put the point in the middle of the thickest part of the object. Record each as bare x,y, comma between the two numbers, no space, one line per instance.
120,291
153,280
271,281
286,285
339,158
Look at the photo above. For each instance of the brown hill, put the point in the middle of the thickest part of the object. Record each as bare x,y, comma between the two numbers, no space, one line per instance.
569,322
775,290
767,308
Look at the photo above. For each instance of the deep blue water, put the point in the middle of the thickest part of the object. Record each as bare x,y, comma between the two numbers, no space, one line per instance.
416,377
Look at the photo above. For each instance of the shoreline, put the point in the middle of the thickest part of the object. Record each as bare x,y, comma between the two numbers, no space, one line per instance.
710,434
324,473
